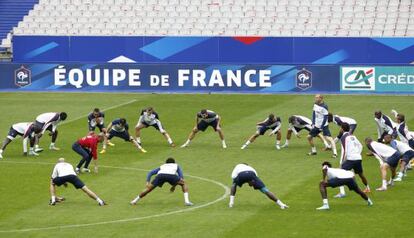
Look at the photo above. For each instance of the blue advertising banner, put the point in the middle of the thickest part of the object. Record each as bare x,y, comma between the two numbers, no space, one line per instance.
170,78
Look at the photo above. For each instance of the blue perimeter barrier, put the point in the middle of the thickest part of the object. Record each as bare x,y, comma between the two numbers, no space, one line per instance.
206,78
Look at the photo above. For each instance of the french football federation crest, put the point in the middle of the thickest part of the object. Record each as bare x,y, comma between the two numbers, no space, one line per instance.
22,76
304,79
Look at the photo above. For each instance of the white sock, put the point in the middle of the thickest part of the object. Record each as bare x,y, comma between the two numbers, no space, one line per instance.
31,149
327,145
36,146
99,200
52,144
186,199
280,203
104,146
247,143
278,142
136,199
169,140
400,174
334,149
1,151
325,201
223,142
342,190
287,142
384,183
314,149
187,142
53,198
139,139
231,200
367,187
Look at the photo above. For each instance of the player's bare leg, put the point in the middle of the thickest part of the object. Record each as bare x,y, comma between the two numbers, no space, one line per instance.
383,169
93,195
288,136
134,142
327,145
403,168
250,140
168,138
54,137
365,182
190,137
138,132
324,194
313,148
332,146
147,190
184,188
278,138
221,135
3,146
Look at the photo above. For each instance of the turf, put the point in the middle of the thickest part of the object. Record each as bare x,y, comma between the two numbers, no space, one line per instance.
289,173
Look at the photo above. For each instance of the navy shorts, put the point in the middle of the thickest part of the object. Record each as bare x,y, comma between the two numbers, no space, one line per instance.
13,133
202,125
249,177
315,131
393,160
100,127
297,129
262,129
352,128
349,182
73,179
124,135
38,127
355,165
411,143
160,179
407,156
155,125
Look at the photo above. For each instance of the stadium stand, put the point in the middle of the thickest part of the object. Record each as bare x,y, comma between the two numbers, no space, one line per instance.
378,18
11,13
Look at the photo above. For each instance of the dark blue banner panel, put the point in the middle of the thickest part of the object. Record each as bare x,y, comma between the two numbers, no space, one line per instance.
215,50
190,78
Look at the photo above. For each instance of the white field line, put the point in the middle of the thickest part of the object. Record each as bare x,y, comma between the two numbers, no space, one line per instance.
226,193
105,109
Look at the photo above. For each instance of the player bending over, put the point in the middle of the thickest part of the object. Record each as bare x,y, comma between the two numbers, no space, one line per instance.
404,134
243,173
320,124
384,126
26,131
48,122
150,118
351,158
338,120
298,123
204,119
388,159
271,122
96,119
171,173
338,177
87,148
119,128
407,155
63,173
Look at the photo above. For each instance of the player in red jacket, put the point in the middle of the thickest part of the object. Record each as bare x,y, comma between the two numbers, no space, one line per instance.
87,148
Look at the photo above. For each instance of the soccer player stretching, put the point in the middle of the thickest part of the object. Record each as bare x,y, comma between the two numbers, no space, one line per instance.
338,177
62,174
244,173
204,119
171,173
271,122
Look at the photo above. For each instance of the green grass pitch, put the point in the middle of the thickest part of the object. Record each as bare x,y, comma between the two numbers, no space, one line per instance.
289,173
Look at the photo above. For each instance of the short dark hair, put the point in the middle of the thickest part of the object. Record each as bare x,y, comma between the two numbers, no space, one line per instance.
63,116
401,117
271,116
345,126
378,113
149,109
330,117
122,121
170,160
327,163
203,111
368,140
292,119
96,110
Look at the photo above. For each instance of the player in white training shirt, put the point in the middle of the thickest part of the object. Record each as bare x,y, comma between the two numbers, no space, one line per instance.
149,118
406,152
320,125
388,159
49,121
338,177
26,131
243,173
64,173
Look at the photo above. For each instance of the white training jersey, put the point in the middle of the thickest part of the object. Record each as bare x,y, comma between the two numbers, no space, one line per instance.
46,117
351,148
63,169
338,173
149,119
403,133
385,124
338,120
168,168
400,146
241,168
382,150
22,127
320,111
